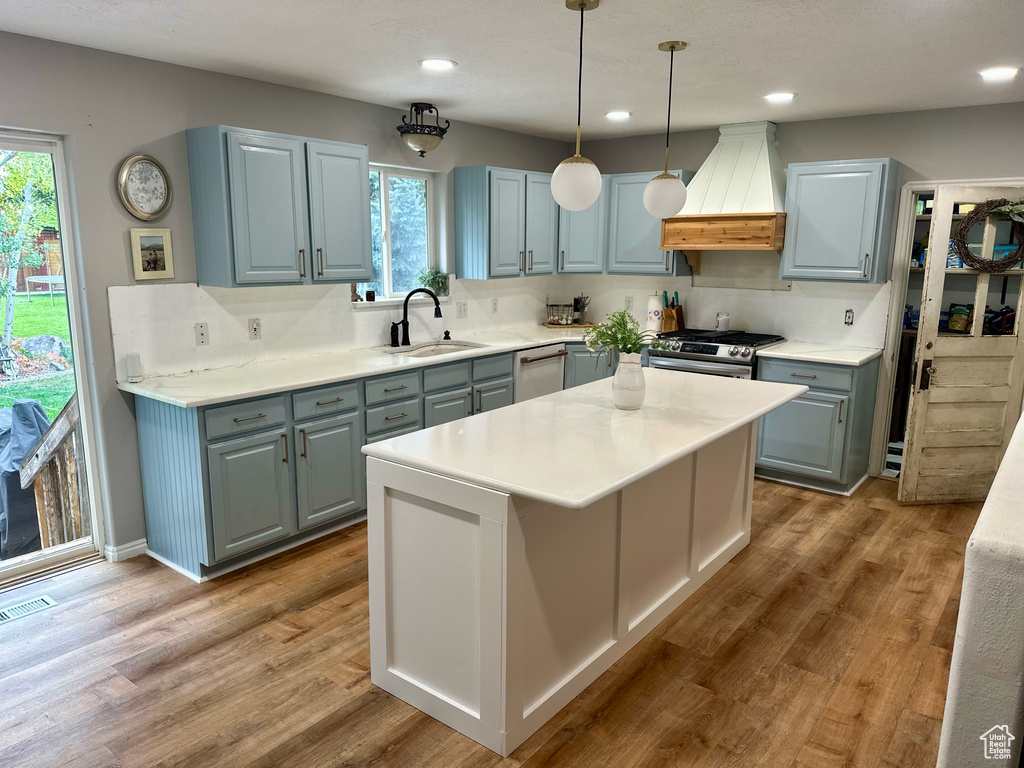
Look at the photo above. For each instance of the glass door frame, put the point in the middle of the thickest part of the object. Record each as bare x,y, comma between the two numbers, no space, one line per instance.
44,560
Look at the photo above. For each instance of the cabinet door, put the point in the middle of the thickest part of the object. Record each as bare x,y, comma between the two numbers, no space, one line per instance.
541,225
507,222
250,493
447,406
329,469
634,236
832,213
339,206
582,240
805,436
583,366
493,395
268,209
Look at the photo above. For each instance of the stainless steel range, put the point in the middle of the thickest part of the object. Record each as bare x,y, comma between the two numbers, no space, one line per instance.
716,353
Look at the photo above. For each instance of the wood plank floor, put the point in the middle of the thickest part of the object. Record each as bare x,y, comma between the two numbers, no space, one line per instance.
825,643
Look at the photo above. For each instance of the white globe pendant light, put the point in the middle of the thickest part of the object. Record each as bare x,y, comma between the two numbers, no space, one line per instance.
665,194
576,182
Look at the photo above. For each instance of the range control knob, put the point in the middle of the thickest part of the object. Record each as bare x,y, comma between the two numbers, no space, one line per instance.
733,351
674,346
746,352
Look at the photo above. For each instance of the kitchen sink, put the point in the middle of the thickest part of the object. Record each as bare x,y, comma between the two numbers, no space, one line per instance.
433,348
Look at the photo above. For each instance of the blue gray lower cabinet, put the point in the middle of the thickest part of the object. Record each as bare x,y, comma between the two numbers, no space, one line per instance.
583,365
822,438
253,476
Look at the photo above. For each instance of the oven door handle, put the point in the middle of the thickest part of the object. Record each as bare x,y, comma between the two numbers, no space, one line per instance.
698,366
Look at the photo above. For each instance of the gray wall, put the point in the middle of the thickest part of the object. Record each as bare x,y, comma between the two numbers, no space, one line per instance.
109,106
972,142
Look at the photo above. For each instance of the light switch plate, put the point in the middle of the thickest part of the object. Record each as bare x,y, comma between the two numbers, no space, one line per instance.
461,310
202,335
494,306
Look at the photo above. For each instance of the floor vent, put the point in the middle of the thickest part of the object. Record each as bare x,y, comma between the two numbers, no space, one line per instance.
16,611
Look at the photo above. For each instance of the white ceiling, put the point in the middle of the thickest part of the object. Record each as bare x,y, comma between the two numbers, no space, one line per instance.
517,59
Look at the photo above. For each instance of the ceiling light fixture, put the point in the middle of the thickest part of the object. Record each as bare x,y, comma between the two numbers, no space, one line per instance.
438,65
576,182
618,115
999,74
783,97
422,137
665,194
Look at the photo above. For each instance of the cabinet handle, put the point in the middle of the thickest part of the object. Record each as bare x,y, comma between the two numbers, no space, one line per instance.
666,261
479,401
285,436
250,418
522,261
867,257
840,412
396,389
563,261
402,415
331,402
320,255
528,360
302,262
803,376
303,433
531,260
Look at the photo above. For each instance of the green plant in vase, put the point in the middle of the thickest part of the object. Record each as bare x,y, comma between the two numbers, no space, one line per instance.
621,333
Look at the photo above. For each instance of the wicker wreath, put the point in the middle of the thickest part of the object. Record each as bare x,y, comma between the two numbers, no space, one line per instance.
976,216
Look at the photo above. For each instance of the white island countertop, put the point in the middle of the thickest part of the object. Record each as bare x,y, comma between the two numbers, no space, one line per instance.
573,447
270,377
833,354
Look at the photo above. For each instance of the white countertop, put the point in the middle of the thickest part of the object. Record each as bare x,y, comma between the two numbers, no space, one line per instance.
222,385
573,447
820,353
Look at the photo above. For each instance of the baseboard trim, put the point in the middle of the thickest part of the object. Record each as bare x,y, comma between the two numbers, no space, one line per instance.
175,567
812,485
124,551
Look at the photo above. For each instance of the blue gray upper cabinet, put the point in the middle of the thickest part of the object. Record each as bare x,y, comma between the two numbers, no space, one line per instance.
839,219
582,236
263,202
634,236
507,223
339,207
541,225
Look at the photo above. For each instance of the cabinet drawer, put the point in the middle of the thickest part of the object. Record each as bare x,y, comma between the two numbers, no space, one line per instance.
447,377
392,388
323,402
492,367
392,416
244,417
814,375
392,433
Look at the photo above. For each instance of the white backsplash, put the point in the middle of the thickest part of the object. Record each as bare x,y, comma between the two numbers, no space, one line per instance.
157,321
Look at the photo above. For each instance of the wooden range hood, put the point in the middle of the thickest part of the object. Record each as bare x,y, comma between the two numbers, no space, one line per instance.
735,200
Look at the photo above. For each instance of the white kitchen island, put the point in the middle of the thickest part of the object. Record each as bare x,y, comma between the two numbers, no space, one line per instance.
515,555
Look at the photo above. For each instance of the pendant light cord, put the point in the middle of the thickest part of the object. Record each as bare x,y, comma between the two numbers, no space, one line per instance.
668,120
579,88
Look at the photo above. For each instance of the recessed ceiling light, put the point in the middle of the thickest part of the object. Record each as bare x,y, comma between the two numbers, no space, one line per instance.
438,65
783,97
618,115
999,74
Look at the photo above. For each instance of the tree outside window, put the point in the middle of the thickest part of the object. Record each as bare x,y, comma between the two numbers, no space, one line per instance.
400,229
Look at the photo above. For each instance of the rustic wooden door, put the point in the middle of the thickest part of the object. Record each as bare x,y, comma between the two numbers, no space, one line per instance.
967,384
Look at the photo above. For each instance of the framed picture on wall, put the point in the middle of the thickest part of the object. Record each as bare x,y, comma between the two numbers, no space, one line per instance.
151,252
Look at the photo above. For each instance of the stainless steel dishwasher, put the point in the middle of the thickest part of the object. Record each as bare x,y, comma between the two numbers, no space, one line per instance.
539,371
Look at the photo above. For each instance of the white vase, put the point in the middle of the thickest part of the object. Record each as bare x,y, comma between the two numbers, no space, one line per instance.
628,386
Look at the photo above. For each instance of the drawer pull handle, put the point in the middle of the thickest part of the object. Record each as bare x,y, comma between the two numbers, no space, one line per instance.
250,418
402,415
285,436
538,358
320,255
396,389
302,262
303,433
840,421
803,376
331,402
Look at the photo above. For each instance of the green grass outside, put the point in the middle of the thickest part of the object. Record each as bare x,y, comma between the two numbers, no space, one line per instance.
38,318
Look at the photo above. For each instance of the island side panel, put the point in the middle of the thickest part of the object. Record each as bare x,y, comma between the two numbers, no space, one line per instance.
722,495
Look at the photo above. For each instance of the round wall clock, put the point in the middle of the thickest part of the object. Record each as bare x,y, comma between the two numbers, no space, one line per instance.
144,187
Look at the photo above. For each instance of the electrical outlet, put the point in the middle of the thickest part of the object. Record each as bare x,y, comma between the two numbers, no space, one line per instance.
255,329
461,310
494,306
849,317
629,303
202,335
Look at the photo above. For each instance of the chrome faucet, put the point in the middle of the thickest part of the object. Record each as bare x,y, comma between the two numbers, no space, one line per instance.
405,316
